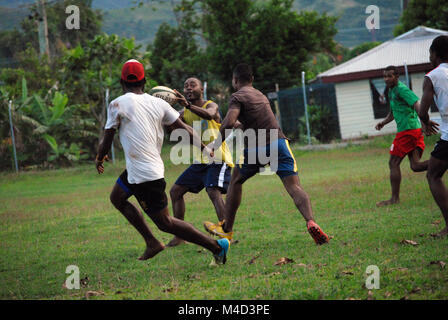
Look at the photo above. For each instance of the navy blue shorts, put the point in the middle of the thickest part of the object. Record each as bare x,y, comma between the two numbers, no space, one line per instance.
284,164
199,176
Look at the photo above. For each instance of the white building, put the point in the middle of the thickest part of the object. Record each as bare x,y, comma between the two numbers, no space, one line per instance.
359,83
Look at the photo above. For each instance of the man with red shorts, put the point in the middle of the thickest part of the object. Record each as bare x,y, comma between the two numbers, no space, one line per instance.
409,139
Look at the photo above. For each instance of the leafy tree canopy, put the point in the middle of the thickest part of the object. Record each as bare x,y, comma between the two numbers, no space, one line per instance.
429,13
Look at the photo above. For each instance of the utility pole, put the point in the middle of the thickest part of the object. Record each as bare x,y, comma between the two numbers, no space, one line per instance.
43,29
13,141
277,107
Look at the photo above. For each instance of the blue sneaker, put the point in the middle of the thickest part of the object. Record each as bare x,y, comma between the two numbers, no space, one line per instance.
221,258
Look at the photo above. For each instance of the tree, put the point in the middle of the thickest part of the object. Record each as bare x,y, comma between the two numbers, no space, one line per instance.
87,71
175,55
429,13
270,36
15,41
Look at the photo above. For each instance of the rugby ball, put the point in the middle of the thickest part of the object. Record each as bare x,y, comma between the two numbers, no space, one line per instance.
164,93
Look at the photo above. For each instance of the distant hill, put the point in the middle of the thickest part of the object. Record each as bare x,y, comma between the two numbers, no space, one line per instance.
142,22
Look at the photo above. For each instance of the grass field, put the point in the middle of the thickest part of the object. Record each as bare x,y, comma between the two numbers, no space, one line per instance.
53,219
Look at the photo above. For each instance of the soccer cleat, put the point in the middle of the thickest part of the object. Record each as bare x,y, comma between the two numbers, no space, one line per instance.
221,257
216,230
316,232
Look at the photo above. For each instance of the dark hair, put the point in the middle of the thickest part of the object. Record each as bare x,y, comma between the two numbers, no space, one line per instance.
440,47
243,72
196,78
137,84
392,68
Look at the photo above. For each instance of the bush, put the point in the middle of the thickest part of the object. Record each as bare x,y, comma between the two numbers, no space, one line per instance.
322,123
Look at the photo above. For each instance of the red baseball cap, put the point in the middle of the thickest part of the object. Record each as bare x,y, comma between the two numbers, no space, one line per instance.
132,71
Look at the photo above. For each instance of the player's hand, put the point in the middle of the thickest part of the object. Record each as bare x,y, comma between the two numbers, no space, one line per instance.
379,126
99,164
180,98
430,128
209,152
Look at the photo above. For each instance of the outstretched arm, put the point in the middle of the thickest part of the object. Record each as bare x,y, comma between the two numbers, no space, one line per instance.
228,123
209,113
195,139
389,118
430,127
103,149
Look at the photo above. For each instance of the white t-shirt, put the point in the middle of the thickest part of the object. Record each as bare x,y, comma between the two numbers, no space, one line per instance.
439,79
140,119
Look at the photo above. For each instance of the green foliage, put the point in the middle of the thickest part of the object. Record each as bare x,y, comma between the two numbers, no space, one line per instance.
62,154
39,72
89,70
42,102
59,37
321,124
42,126
429,13
176,55
270,36
14,42
62,100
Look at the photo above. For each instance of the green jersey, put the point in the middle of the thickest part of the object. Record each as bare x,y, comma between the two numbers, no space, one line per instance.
402,101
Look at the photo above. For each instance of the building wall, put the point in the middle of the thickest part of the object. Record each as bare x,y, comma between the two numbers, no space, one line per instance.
417,87
355,109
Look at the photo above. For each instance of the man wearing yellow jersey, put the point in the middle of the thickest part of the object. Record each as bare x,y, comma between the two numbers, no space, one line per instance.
214,177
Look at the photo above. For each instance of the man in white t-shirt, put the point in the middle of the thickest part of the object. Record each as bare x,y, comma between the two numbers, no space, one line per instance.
435,89
140,119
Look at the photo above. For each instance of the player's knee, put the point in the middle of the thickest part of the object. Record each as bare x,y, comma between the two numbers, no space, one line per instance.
175,193
116,200
393,164
164,223
431,177
415,167
213,193
239,179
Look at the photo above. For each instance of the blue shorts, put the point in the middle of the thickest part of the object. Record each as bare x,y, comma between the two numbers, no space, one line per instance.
200,176
285,162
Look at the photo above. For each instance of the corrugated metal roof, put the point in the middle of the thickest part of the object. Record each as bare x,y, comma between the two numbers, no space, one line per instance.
411,48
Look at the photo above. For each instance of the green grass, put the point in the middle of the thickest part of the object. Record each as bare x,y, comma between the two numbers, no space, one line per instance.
53,219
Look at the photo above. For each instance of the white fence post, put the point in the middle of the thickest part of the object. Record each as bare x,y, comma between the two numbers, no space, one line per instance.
12,136
306,108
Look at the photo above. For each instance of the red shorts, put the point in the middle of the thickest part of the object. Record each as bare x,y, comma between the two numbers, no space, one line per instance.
406,141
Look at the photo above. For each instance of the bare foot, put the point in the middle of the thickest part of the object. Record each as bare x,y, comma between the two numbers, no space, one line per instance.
441,234
151,250
175,242
387,202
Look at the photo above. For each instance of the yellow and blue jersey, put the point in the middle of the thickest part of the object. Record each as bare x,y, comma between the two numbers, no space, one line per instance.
209,132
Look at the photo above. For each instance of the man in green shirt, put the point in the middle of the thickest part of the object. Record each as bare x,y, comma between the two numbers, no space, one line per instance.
409,139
